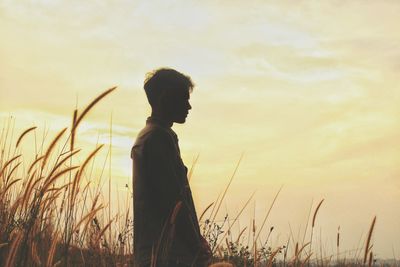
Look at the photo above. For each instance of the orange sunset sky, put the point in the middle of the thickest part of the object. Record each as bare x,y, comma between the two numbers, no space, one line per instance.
308,91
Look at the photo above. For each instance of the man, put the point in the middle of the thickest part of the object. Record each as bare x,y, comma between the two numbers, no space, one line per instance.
166,229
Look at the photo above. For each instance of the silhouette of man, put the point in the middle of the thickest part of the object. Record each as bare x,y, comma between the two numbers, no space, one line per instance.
166,229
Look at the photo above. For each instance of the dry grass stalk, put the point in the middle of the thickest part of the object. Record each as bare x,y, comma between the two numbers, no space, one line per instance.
58,188
73,129
313,223
190,174
59,164
7,164
298,251
220,252
269,234
269,210
205,210
79,174
237,216
76,120
48,200
14,207
109,174
34,206
8,187
23,134
306,260
240,234
34,163
337,244
316,212
370,259
101,233
51,146
228,246
213,207
14,250
91,105
367,245
52,251
254,240
34,253
272,256
226,190
28,200
11,172
52,179
87,218
28,189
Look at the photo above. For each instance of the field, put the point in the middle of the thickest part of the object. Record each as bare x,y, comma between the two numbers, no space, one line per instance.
51,215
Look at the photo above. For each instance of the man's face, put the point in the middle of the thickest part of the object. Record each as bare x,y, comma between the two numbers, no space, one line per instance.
178,106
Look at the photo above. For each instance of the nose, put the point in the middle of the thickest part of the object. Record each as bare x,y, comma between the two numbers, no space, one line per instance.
189,106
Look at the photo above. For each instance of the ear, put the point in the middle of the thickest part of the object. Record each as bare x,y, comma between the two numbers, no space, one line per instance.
160,100
163,99
167,101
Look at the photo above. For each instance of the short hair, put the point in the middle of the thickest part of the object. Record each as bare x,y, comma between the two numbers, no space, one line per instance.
159,81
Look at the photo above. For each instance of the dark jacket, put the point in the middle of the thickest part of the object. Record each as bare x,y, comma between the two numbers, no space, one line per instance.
160,183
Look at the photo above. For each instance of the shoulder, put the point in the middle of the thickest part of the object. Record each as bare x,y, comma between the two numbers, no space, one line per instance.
150,132
158,136
154,138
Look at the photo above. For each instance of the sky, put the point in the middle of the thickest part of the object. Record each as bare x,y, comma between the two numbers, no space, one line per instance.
306,91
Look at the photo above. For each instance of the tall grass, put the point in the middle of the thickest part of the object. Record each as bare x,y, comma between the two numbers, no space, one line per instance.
46,216
51,214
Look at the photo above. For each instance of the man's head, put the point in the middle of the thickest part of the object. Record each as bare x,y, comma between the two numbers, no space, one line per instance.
168,92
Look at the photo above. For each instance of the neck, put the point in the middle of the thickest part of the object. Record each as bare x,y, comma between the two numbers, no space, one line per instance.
162,117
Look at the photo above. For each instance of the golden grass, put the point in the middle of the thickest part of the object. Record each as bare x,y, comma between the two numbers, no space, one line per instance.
313,223
368,246
316,212
38,217
51,216
23,134
8,163
12,254
226,190
51,146
272,256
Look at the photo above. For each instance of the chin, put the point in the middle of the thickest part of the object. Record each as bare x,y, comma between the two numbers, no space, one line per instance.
180,120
